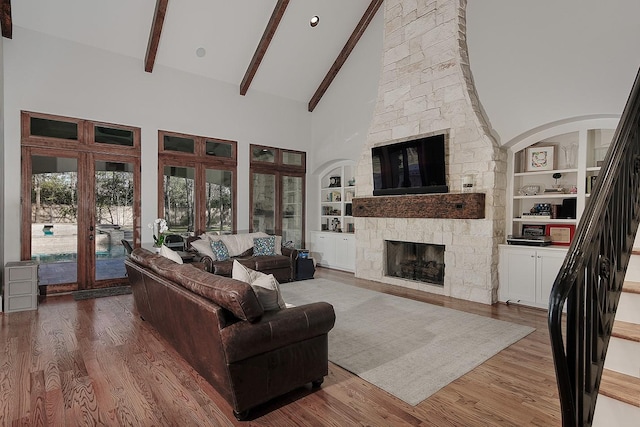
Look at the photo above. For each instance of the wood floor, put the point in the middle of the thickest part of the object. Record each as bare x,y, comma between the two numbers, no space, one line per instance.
94,362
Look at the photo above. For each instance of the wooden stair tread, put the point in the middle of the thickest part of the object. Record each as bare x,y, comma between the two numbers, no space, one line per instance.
626,330
631,287
622,387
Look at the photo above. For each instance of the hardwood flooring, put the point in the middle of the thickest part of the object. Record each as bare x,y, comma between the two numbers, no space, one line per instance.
95,362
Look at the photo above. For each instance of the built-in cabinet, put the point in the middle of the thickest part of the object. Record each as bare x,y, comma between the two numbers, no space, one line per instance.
334,250
333,242
551,176
337,190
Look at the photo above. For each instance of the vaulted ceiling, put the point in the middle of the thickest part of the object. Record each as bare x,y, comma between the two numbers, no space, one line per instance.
259,45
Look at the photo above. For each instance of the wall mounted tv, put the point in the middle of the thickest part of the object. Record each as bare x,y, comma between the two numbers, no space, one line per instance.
411,167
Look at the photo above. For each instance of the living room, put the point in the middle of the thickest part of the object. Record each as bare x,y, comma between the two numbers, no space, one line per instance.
521,83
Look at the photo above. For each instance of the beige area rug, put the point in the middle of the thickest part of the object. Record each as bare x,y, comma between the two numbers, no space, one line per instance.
407,348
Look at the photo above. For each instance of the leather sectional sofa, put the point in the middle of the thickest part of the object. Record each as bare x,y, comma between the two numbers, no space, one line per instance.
282,265
218,325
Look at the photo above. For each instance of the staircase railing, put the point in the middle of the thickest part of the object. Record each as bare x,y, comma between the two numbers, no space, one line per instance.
591,278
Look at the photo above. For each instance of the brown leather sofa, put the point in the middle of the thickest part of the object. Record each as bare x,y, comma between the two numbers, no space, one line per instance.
218,325
283,267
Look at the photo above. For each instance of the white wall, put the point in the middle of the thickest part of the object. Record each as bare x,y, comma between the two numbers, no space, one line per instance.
1,156
541,61
50,75
341,120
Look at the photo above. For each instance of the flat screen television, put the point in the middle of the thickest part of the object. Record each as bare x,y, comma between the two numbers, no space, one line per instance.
411,167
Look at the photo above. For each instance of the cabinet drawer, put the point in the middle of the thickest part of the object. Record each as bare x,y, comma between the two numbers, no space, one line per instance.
19,288
21,273
25,302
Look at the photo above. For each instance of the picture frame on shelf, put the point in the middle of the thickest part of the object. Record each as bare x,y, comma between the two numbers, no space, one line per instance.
534,229
561,234
540,159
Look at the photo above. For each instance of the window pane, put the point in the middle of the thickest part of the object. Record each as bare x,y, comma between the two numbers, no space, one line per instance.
54,128
175,143
178,198
219,149
264,202
263,155
106,135
114,217
290,158
292,210
219,199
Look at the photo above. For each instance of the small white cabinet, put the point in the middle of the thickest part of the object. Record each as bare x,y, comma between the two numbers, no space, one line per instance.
334,250
527,273
20,286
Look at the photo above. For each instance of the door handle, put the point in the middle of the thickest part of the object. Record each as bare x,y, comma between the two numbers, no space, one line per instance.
90,236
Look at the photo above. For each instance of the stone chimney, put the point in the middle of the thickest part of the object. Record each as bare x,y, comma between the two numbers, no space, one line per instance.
426,88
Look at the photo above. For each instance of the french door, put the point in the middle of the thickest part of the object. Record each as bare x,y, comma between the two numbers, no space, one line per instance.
79,202
82,206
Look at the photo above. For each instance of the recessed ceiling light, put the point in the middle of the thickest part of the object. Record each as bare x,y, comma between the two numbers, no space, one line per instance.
200,52
314,20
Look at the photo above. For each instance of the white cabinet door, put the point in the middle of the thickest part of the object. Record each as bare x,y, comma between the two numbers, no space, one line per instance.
323,249
548,266
345,252
519,275
527,274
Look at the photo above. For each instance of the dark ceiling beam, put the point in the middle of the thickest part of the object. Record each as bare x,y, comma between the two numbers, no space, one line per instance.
5,19
269,32
346,51
154,35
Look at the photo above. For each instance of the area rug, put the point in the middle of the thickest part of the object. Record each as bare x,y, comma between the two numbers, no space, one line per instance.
408,348
99,293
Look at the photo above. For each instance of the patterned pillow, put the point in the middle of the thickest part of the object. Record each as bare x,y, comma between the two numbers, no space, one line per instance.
220,250
264,246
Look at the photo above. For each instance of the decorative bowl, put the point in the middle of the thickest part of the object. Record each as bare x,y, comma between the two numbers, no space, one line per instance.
531,190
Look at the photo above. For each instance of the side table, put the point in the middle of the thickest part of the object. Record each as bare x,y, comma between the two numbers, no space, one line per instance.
20,286
304,268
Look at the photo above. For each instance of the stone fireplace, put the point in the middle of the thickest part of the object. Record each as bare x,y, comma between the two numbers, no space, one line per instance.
425,89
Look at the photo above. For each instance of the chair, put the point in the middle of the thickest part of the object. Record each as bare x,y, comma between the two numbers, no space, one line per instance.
127,246
174,241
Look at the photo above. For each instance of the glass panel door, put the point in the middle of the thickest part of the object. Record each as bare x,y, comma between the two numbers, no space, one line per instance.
114,218
219,201
264,203
179,183
54,218
292,194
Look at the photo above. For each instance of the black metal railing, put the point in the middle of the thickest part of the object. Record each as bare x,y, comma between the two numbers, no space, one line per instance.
591,278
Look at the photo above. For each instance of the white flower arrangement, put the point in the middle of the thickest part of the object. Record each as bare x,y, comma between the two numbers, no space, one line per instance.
159,227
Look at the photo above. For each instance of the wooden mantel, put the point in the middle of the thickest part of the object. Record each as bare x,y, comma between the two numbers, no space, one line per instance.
447,205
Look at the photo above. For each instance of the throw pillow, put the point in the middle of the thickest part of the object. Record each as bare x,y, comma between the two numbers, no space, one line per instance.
264,246
265,286
220,250
278,240
203,246
170,254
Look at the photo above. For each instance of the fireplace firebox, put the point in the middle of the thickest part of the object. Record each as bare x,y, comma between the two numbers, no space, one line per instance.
422,262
